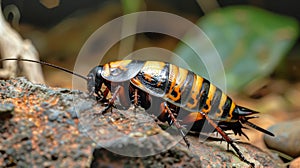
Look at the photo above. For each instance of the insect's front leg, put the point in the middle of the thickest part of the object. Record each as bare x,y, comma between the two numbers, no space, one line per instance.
95,92
102,97
111,102
120,93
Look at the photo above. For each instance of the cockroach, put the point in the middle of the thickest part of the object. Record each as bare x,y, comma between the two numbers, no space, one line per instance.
170,88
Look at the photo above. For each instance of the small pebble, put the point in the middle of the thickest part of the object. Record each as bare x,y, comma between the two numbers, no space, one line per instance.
45,105
7,107
286,139
295,163
10,151
53,114
6,110
70,122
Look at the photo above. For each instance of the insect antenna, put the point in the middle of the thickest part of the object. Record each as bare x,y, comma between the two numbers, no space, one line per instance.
47,64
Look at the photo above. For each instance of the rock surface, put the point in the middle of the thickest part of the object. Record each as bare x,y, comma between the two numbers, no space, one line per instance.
287,138
58,128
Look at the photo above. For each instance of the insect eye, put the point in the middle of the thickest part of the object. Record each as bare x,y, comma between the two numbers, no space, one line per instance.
115,71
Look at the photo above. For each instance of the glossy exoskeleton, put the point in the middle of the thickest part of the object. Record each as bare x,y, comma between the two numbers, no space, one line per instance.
172,89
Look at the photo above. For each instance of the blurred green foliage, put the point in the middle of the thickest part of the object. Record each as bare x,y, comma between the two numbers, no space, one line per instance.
250,41
131,5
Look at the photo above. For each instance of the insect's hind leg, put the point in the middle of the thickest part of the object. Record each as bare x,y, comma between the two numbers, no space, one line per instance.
229,141
176,123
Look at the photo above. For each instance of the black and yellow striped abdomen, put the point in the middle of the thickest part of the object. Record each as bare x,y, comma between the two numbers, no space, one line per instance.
184,89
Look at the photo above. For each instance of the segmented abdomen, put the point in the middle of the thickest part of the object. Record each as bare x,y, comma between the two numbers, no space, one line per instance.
184,89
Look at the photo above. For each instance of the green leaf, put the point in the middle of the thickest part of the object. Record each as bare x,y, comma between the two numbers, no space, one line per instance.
250,41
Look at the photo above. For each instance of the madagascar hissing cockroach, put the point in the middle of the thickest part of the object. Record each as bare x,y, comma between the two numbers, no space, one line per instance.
171,89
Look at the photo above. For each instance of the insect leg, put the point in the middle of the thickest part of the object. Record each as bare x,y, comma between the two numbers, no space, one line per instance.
104,95
135,103
228,140
139,98
177,125
112,100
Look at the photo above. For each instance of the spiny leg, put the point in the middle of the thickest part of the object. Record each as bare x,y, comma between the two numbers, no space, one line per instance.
139,98
228,140
111,101
135,99
177,125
